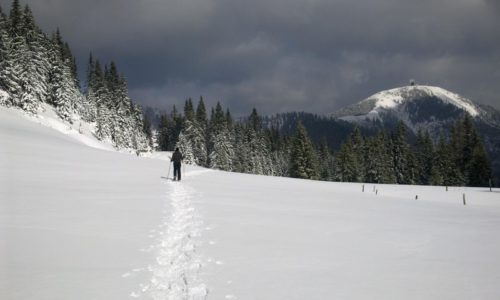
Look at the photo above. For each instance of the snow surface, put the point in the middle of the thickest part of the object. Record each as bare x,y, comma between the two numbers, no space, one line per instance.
81,223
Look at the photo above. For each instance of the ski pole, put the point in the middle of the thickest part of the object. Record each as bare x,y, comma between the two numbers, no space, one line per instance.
169,166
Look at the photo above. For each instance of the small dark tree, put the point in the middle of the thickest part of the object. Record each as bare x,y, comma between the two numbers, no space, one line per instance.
479,167
303,160
424,152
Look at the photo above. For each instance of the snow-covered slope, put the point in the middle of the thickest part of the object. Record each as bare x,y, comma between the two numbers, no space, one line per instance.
426,107
390,99
82,223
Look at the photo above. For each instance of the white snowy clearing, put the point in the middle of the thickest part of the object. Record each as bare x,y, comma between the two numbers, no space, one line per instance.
82,223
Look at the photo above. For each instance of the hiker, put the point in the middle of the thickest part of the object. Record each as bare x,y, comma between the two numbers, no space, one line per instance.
177,159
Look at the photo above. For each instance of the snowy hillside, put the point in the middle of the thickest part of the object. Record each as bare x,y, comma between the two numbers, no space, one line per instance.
82,223
390,99
432,109
424,107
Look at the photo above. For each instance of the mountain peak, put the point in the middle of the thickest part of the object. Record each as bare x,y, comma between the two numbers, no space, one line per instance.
394,97
409,100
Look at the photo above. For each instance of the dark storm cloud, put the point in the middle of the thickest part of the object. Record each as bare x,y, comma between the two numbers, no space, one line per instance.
283,55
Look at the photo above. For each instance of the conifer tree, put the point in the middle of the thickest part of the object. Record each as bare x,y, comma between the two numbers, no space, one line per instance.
13,48
303,160
229,119
280,153
374,166
345,163
255,120
424,150
479,169
358,148
16,19
176,125
89,105
186,148
165,133
28,99
4,44
36,60
201,114
470,155
403,159
221,151
195,134
257,145
445,170
241,152
146,128
325,161
189,110
222,154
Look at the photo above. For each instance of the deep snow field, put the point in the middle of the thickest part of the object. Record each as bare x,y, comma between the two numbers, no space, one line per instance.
83,223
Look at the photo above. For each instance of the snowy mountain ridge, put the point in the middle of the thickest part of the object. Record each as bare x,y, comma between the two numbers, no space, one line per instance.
393,97
428,108
406,103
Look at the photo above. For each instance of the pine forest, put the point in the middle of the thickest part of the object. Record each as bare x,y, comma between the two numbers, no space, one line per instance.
255,146
36,68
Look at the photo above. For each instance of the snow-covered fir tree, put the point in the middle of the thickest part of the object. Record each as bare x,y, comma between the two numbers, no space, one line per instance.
424,155
346,165
35,69
379,165
304,162
404,165
221,151
326,162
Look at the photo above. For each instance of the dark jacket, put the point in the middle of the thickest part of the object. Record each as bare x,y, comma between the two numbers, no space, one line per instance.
176,157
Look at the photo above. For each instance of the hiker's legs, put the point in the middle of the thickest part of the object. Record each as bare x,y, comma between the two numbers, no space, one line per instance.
177,171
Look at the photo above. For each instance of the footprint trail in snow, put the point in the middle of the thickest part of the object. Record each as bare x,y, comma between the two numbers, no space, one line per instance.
175,274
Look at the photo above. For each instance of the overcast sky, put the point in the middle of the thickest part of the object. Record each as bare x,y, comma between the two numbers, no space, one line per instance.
284,55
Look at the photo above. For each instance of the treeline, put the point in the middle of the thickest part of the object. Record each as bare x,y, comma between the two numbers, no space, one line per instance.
37,69
249,146
458,158
319,128
221,143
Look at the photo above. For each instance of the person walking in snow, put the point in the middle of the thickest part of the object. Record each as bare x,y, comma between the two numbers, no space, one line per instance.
177,159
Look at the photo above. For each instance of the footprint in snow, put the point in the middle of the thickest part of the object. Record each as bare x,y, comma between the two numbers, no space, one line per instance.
134,295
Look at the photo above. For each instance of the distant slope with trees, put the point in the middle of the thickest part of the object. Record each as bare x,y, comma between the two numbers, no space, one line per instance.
37,69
